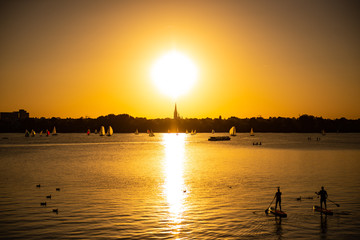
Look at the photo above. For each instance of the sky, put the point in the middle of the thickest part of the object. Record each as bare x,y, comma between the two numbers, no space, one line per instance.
254,58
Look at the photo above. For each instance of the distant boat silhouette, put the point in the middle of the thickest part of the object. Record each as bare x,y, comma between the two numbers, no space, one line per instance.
96,132
109,131
232,131
41,132
33,133
54,132
151,134
102,131
27,134
47,132
186,131
193,132
220,138
323,132
88,132
252,132
213,131
136,132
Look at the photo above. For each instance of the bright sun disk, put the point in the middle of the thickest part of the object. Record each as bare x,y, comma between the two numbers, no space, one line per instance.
174,74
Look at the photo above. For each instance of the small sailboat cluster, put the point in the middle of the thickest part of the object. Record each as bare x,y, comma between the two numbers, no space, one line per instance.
33,133
108,133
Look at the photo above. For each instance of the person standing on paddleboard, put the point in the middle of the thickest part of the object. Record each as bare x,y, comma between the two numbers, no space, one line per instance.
278,198
323,196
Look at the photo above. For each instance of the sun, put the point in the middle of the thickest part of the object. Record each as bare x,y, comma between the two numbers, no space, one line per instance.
174,74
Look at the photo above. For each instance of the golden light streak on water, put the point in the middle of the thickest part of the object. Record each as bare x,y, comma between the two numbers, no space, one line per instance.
174,188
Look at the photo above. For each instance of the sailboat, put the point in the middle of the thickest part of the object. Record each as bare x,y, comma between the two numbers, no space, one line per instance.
252,132
213,131
96,132
151,134
33,133
27,134
102,131
47,132
323,132
193,132
136,132
88,132
232,131
109,131
54,132
40,134
186,131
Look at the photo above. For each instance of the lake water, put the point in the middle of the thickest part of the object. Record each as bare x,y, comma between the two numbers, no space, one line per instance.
177,186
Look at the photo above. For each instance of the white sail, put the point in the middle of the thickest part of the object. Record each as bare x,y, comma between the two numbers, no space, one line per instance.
252,132
109,131
54,131
102,131
232,131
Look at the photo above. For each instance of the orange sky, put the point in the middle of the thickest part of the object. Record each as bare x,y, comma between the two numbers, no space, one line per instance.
268,58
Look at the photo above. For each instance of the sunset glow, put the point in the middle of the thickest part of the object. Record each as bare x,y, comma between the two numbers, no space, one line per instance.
233,58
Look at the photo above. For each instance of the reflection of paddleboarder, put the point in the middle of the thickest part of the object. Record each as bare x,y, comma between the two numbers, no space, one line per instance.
278,198
323,196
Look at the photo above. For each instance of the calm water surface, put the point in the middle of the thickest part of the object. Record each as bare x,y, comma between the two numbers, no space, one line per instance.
177,186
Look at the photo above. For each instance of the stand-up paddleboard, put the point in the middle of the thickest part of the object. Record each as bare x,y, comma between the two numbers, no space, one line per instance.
277,212
323,210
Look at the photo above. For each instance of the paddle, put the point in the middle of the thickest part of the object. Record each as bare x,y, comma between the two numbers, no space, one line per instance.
267,210
338,205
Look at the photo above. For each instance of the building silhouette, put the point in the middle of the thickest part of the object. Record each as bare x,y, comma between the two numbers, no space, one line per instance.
13,116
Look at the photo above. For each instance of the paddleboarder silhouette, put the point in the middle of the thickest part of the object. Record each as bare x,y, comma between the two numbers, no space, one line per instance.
278,198
323,196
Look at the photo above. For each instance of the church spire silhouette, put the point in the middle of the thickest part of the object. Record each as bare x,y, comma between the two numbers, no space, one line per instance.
176,114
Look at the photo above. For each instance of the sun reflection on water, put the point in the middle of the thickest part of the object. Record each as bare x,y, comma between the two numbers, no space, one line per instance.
174,187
